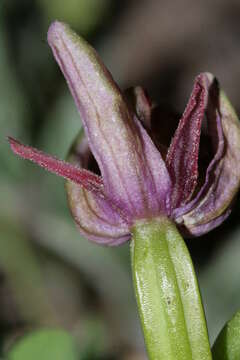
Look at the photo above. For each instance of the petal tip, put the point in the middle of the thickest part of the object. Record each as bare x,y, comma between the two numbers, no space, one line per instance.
206,76
14,144
56,29
60,36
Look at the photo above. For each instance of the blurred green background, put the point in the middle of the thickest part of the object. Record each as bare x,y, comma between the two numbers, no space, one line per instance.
49,275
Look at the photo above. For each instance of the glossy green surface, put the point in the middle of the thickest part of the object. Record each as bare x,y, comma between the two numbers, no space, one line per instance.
167,293
227,345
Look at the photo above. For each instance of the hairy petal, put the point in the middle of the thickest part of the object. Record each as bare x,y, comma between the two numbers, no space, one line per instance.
86,179
213,203
114,138
182,156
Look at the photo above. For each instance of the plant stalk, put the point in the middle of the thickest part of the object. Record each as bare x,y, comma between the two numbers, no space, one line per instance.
167,293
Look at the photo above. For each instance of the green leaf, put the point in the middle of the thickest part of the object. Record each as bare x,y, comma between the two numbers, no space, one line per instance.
45,345
227,345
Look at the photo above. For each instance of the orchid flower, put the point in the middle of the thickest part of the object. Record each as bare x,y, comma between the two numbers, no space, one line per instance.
135,178
123,176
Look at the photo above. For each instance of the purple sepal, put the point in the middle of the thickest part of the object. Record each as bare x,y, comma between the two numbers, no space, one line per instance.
134,175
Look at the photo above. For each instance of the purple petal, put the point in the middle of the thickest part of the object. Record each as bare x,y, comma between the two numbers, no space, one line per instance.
182,156
194,230
213,203
137,181
97,218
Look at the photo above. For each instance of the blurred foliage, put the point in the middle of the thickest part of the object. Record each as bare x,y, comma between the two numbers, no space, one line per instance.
83,15
227,345
45,345
49,274
219,282
16,250
13,107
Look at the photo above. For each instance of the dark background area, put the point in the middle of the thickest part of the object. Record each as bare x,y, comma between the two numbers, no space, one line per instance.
49,274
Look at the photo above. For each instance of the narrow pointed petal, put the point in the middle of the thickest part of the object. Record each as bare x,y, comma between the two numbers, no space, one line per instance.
182,156
135,184
213,203
86,179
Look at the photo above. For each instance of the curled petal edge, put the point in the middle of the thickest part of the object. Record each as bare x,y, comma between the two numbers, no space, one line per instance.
97,218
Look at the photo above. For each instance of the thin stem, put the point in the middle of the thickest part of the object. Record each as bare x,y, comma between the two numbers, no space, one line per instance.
167,293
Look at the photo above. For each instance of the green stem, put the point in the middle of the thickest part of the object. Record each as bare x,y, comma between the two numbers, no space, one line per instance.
167,293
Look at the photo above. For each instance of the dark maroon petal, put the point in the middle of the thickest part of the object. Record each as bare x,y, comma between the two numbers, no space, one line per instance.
86,179
213,171
214,201
182,156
